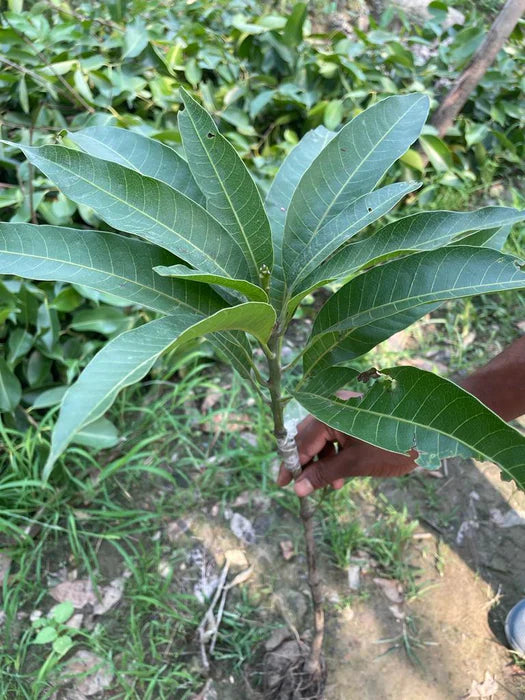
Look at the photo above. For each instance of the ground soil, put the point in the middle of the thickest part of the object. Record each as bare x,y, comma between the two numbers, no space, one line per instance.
456,621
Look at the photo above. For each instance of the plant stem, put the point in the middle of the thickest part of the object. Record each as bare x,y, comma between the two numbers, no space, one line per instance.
288,453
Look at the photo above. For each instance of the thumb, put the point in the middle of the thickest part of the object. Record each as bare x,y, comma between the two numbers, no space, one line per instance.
322,473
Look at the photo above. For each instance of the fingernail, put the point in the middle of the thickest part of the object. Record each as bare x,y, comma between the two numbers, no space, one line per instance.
303,488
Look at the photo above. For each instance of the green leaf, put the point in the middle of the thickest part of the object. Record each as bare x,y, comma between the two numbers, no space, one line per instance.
111,264
50,397
494,238
129,357
19,343
422,231
146,156
10,389
374,305
410,408
356,216
437,151
104,319
333,114
231,194
46,635
67,299
135,39
413,159
280,194
62,645
349,166
293,30
137,204
100,435
104,261
62,612
249,290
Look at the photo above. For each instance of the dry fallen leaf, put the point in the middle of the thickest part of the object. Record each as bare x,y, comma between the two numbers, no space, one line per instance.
227,422
236,558
241,578
109,596
392,589
79,593
397,611
176,528
95,673
287,549
487,689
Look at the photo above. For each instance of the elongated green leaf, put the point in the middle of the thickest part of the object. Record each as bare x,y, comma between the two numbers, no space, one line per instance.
413,408
494,238
10,389
251,291
146,156
138,204
375,305
129,357
422,231
104,261
231,194
116,265
355,217
101,435
349,166
280,194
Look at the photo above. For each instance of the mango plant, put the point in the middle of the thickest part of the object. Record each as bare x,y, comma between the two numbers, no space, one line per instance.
211,258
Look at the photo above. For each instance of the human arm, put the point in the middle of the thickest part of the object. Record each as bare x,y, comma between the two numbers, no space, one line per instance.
500,384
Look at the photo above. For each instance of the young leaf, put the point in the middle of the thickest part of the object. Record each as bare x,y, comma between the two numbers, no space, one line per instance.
421,231
141,205
348,167
231,194
356,216
280,194
251,291
62,612
410,408
146,156
129,357
62,644
375,303
46,635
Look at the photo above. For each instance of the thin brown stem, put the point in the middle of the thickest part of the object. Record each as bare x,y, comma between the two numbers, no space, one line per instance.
288,453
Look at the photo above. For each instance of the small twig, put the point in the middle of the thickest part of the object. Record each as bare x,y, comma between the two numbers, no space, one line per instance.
202,629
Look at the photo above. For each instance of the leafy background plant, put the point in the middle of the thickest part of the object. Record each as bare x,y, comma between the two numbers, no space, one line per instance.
227,56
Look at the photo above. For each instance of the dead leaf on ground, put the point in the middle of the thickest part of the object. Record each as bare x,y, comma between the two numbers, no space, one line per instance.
5,563
287,549
211,399
487,689
397,611
242,528
236,558
110,596
521,326
95,673
80,593
392,589
241,578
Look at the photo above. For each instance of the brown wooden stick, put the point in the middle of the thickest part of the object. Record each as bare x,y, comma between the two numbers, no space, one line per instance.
451,106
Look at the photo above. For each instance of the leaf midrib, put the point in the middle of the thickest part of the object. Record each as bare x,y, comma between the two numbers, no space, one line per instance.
239,225
393,417
143,213
110,274
342,335
356,169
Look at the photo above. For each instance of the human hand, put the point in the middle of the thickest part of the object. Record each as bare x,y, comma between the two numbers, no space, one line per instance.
353,458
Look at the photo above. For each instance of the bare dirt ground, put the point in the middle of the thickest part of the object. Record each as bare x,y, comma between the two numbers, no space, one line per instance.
468,554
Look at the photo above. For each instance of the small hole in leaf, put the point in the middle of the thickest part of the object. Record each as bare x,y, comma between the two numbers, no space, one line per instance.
369,209
344,150
211,135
